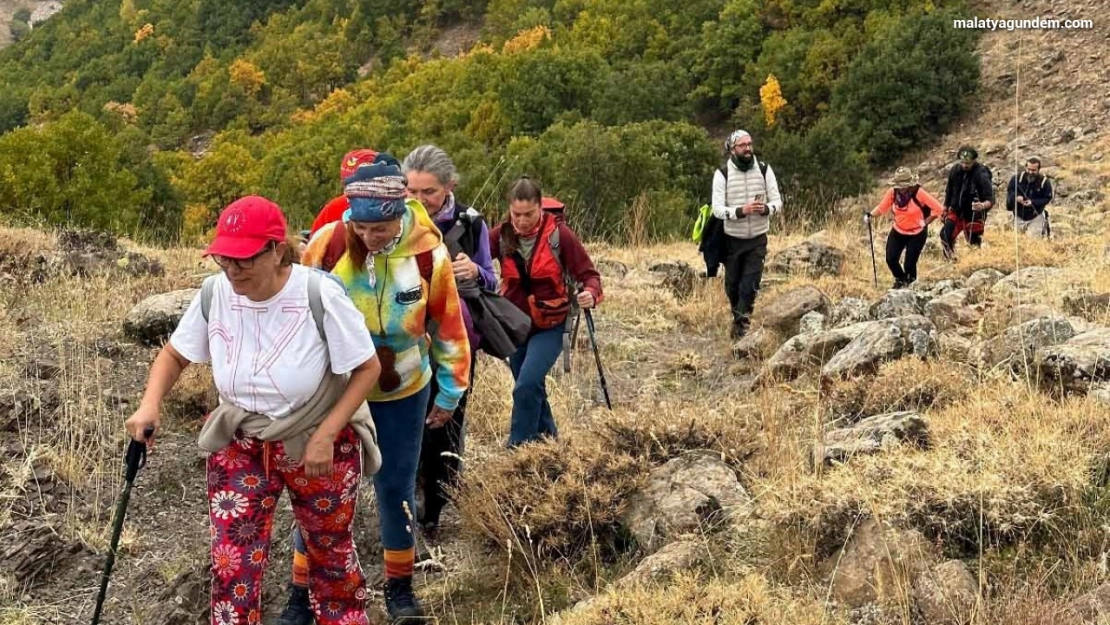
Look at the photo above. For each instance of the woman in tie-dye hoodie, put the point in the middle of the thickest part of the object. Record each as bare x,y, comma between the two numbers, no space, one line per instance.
398,273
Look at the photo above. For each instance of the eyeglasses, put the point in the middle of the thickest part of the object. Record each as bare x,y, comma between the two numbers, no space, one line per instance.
242,263
389,380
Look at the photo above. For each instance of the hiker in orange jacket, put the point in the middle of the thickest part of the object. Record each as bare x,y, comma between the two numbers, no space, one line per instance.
913,209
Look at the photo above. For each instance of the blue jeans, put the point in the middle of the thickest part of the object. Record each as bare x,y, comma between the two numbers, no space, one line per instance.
532,418
400,426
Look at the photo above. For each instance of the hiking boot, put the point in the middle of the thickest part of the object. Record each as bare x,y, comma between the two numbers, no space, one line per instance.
297,611
401,603
739,329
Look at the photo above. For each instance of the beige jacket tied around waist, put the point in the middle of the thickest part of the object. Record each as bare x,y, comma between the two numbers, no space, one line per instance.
295,429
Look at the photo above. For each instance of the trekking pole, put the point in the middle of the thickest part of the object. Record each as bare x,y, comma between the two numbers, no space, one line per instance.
133,461
871,240
597,357
571,340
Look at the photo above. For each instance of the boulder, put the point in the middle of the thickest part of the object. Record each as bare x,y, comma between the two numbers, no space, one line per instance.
876,564
951,309
872,435
898,303
678,277
1084,303
786,311
826,344
848,311
614,268
789,361
754,344
812,322
980,282
946,595
880,342
1027,283
810,258
1015,347
1078,363
154,319
1017,315
677,557
1092,607
691,493
954,347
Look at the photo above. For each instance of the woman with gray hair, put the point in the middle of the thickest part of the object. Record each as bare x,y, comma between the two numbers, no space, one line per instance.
430,178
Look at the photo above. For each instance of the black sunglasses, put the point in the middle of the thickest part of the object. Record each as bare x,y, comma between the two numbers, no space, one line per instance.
243,263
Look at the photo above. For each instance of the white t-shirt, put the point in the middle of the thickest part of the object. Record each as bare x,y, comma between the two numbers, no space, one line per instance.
267,357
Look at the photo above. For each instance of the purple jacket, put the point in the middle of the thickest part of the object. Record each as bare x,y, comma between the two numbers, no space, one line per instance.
487,278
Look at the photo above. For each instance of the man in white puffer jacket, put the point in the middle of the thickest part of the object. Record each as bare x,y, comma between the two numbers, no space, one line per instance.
745,195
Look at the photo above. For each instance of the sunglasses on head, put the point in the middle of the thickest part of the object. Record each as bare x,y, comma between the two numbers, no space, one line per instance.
389,380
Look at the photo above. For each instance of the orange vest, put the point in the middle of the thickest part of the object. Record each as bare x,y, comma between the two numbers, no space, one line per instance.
548,297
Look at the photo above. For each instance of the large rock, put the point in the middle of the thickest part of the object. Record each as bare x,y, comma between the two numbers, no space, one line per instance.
898,303
954,347
692,493
678,277
980,282
754,344
784,312
1093,607
1017,315
1027,283
848,311
1015,348
950,310
946,595
1077,364
1085,303
872,435
677,557
154,319
790,360
810,258
827,344
881,341
876,564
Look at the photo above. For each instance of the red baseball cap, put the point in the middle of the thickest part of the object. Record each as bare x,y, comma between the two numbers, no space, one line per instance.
246,226
353,159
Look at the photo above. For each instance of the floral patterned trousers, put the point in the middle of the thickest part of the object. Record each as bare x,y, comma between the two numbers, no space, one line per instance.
245,480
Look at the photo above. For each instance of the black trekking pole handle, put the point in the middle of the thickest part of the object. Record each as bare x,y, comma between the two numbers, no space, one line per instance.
136,455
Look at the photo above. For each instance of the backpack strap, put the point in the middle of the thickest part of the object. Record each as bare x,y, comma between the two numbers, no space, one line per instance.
925,212
427,265
316,301
337,246
206,289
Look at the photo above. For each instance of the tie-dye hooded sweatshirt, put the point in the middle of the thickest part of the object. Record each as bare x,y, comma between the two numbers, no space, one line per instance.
406,302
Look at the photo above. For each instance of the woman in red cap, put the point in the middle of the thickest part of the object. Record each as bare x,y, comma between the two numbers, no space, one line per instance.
293,362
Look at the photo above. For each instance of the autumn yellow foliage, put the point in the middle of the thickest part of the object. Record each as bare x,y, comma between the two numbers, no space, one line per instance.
247,75
527,40
770,96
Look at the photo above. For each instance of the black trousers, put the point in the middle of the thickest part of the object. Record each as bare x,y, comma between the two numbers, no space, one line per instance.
743,262
911,244
441,453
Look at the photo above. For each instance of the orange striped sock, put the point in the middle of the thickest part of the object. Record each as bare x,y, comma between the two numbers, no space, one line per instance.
300,569
399,562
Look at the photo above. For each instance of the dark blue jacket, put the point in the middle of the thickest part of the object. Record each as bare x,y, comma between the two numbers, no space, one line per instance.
1034,188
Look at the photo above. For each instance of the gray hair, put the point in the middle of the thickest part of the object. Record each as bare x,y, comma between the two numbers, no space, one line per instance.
433,160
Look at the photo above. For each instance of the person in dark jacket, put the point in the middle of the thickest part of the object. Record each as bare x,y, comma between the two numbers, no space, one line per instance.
537,253
968,197
1027,195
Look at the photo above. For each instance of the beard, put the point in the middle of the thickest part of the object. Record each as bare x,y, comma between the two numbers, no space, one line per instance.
743,162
